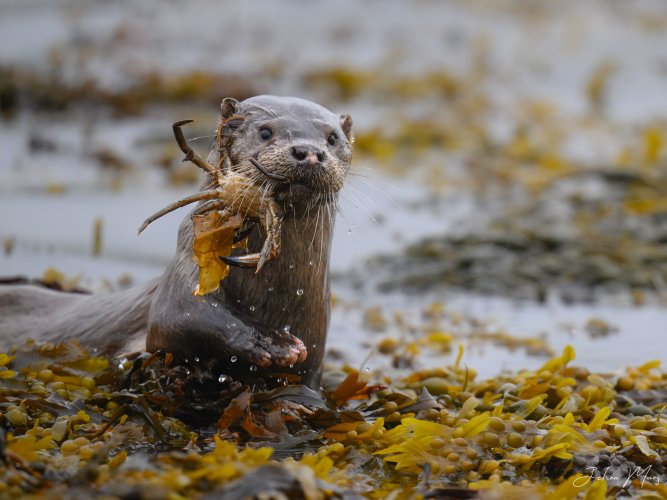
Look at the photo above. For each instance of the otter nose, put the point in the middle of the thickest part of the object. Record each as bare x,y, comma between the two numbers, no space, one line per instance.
312,154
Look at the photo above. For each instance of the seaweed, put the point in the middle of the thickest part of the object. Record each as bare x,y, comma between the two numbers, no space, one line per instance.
77,424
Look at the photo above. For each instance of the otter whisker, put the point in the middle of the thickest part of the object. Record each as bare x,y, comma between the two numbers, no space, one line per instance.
339,211
366,181
326,205
331,204
310,205
192,139
359,202
294,219
360,192
320,214
240,196
317,220
266,189
315,226
255,194
361,167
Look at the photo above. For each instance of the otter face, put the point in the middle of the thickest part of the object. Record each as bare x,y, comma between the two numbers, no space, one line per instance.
298,140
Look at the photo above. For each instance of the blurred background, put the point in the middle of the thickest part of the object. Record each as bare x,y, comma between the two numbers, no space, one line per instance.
509,189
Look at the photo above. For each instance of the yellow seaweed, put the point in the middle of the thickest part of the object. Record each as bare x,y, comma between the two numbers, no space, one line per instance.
214,238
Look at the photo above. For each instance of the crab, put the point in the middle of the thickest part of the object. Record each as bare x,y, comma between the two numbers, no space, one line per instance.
228,195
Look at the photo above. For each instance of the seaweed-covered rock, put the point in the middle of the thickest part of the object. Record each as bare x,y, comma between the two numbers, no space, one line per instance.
75,425
588,233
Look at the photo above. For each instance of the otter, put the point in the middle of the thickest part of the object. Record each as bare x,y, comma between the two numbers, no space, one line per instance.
256,325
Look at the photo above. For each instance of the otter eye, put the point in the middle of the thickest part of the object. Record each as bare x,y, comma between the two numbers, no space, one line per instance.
265,133
332,139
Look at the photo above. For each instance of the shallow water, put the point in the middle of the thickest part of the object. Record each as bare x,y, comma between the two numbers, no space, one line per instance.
637,333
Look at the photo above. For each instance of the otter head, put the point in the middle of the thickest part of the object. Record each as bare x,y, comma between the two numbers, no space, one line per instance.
305,148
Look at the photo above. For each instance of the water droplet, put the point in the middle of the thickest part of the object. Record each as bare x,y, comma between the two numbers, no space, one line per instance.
196,360
286,328
310,263
299,291
252,308
253,368
187,372
233,359
291,266
233,325
238,301
222,378
186,361
270,289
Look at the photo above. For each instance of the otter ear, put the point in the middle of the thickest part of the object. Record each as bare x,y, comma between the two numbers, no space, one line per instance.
346,125
229,107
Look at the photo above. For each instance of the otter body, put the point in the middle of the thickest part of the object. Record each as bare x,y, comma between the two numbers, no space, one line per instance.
254,325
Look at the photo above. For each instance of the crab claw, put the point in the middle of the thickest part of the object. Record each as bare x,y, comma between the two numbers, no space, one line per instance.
249,261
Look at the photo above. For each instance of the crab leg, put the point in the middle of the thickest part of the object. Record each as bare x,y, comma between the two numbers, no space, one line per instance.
193,157
203,195
270,175
271,248
209,206
243,233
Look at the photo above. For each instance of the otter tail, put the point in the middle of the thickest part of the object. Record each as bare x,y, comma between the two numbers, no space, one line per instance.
112,322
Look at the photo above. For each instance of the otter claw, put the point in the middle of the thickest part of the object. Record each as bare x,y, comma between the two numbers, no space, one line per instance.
243,233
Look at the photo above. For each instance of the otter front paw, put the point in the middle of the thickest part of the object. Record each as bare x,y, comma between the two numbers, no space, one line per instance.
280,348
